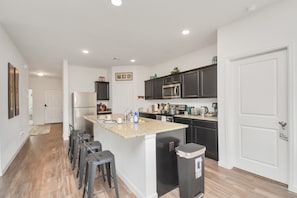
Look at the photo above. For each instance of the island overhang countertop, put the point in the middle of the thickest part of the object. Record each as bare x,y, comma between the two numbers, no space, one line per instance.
130,130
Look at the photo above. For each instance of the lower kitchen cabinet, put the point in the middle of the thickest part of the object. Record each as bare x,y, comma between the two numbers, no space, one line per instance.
189,130
147,115
206,133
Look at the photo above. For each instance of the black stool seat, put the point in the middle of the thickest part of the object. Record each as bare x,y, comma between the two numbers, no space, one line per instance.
93,160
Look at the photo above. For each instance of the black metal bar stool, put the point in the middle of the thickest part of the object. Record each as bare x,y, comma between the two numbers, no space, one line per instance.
95,159
72,133
77,139
87,148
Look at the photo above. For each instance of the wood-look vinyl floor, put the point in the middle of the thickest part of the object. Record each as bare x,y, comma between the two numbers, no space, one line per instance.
42,170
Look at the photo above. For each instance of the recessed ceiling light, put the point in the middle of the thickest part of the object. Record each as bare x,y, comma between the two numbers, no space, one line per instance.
85,51
40,74
133,60
116,2
186,32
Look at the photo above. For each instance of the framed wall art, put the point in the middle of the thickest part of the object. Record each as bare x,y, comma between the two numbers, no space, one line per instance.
13,91
123,76
16,91
11,97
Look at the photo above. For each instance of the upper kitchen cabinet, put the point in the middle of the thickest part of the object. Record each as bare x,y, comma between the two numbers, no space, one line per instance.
102,90
190,87
197,83
148,86
172,79
157,88
153,88
208,82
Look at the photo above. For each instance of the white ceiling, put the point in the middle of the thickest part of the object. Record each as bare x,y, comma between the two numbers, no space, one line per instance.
48,31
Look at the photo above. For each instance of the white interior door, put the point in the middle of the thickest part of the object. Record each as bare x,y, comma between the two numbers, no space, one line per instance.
53,106
122,98
261,105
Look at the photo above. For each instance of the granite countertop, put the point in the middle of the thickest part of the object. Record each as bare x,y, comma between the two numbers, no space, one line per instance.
130,130
197,117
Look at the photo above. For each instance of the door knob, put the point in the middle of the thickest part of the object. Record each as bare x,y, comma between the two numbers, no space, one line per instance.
45,105
283,124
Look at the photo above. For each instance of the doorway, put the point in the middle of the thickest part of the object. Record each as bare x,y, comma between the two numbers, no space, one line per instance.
52,106
30,106
261,114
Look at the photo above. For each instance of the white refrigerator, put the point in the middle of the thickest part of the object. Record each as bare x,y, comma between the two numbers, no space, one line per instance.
83,103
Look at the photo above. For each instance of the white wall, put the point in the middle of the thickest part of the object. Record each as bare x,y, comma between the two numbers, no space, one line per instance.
15,131
39,85
125,93
80,78
275,27
193,60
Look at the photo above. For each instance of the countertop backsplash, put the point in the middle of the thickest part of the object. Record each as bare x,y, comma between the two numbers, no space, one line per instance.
197,103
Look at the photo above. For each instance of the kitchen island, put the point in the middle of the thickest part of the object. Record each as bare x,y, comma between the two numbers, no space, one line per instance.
135,149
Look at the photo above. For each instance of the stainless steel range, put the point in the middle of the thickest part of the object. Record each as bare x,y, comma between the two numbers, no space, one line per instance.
168,116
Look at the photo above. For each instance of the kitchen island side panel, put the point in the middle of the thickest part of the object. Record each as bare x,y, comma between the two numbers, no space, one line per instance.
135,160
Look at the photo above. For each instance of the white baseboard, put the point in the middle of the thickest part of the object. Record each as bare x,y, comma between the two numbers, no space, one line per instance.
2,172
292,188
133,188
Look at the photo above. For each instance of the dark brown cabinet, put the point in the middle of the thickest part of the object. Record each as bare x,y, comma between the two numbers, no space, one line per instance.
157,88
206,133
189,130
172,79
196,83
153,88
202,132
147,115
148,86
102,90
190,85
208,82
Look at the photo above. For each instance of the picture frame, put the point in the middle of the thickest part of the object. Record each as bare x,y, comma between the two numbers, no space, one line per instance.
11,91
124,76
16,91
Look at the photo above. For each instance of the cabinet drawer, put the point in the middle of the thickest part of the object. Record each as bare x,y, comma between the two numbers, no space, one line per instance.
207,124
147,115
183,120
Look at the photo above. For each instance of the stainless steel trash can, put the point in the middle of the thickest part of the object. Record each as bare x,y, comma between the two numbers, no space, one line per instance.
190,163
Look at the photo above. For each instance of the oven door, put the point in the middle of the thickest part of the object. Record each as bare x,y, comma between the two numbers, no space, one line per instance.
171,91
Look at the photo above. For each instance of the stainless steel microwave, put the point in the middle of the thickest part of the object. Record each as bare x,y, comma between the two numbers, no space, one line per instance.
171,91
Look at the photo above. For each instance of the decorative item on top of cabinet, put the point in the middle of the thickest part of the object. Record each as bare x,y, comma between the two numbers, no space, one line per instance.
101,79
175,71
102,90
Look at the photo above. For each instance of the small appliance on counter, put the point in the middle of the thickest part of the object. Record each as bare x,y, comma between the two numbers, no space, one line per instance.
174,109
102,109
